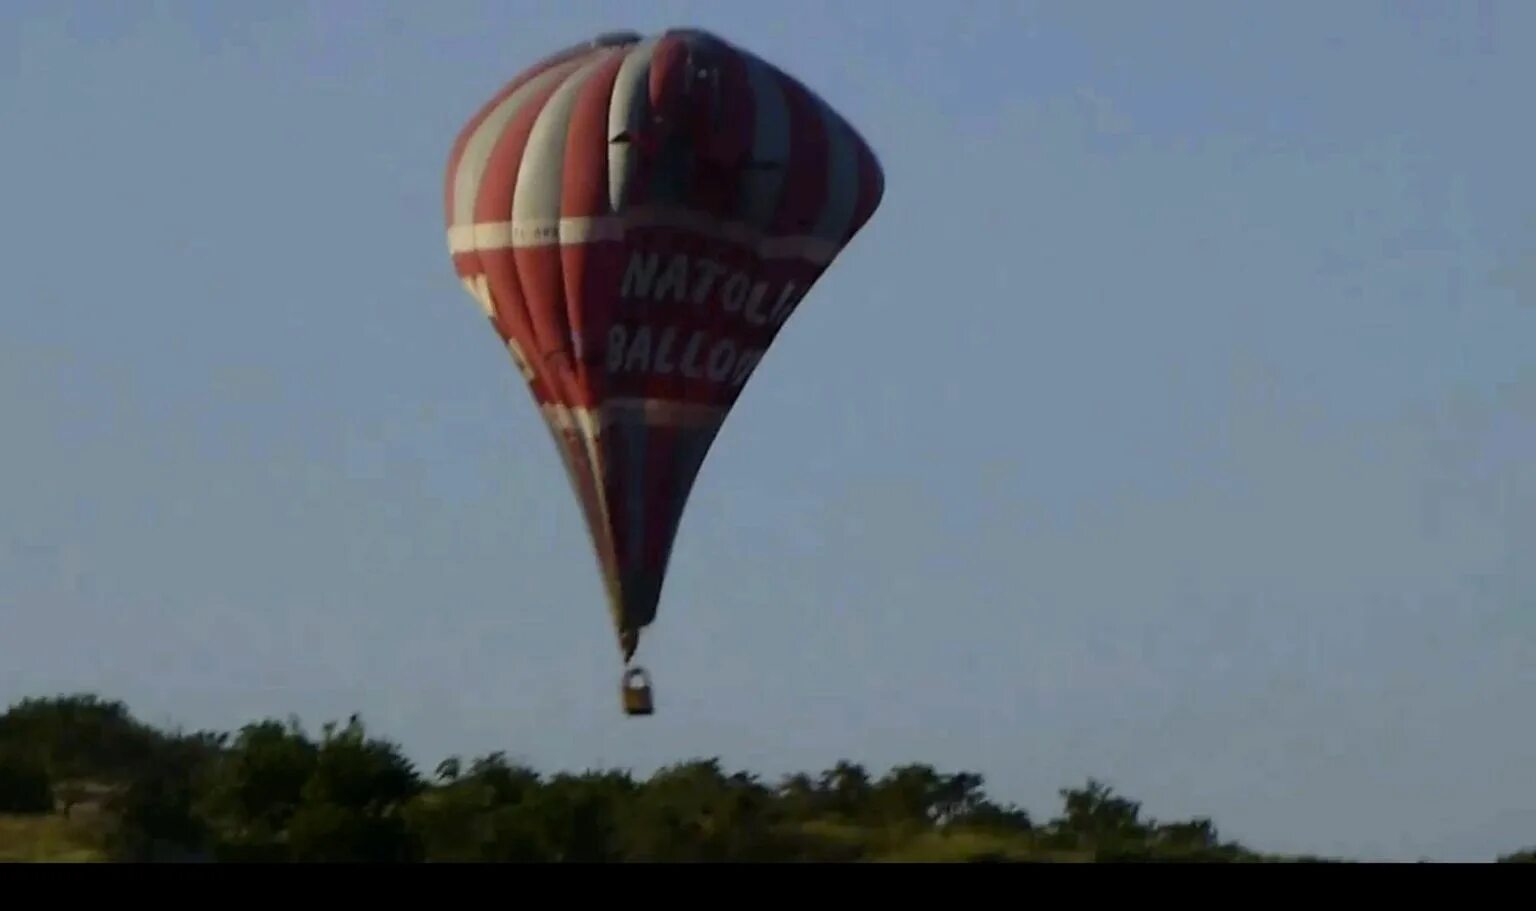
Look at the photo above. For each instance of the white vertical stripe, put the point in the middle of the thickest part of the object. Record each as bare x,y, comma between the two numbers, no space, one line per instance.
540,178
628,108
477,152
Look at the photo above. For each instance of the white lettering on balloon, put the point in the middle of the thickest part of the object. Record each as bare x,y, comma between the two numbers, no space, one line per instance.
677,278
655,283
644,349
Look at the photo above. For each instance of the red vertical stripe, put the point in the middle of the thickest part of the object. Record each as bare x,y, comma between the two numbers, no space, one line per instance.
524,294
722,136
662,485
615,455
806,175
591,270
456,153
668,62
871,187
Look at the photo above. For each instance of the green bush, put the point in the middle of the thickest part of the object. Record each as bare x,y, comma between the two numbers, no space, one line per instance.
273,793
25,786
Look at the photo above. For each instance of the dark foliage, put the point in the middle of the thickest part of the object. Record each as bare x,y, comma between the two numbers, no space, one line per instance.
25,786
272,792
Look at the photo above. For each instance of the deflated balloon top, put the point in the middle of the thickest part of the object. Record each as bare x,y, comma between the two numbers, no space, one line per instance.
616,39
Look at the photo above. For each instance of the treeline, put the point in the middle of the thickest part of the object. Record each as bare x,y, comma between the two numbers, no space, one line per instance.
273,792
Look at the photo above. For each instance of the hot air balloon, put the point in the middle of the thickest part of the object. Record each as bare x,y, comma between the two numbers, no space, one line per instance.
638,217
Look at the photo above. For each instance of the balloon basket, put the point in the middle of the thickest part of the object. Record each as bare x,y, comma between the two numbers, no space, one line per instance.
636,691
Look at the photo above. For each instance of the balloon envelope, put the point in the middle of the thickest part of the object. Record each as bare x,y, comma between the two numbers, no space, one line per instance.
638,217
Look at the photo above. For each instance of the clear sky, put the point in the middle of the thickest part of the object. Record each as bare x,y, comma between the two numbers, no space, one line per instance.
1173,422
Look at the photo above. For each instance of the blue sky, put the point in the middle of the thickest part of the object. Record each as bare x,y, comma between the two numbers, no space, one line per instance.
1173,422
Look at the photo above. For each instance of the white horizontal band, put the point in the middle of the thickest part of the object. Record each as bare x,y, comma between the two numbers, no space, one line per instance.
502,235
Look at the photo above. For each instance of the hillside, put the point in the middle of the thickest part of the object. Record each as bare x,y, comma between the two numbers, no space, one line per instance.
82,779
